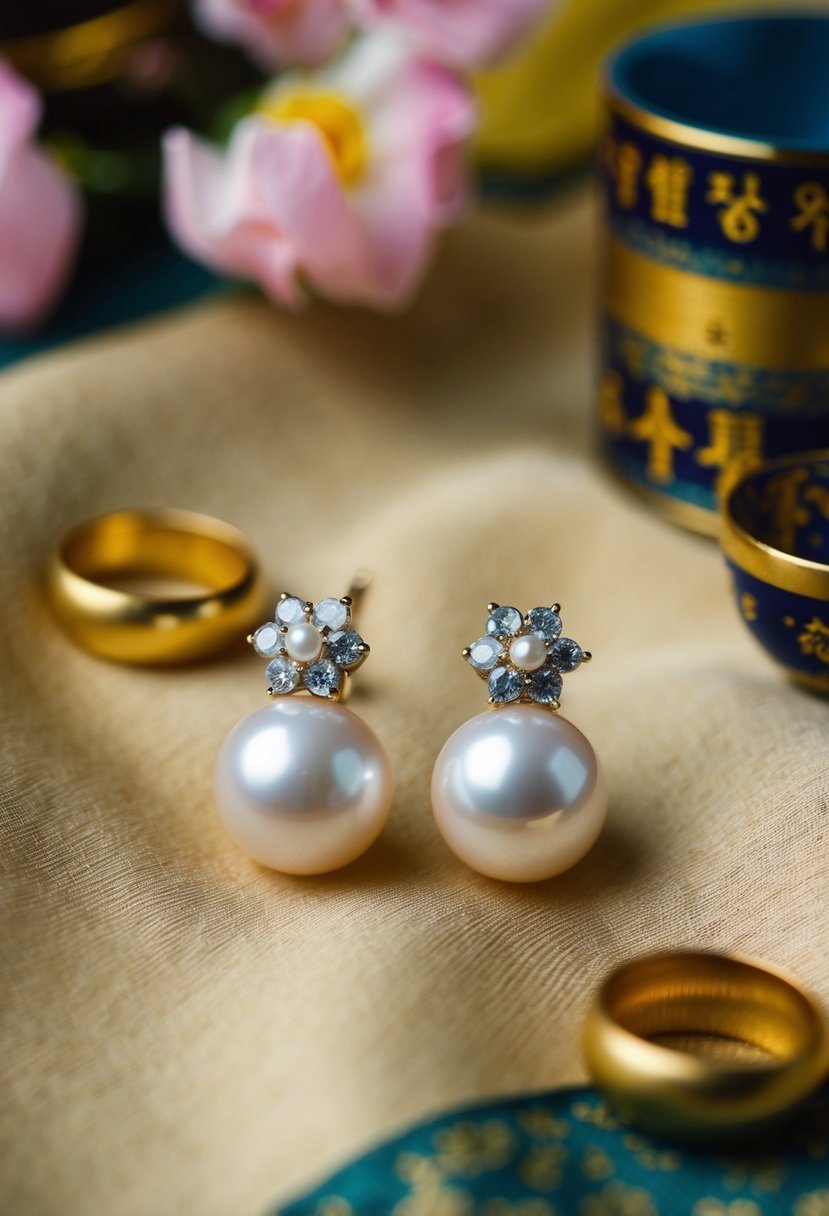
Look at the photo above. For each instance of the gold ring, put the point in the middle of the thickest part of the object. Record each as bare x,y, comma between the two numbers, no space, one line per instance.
95,577
91,52
690,1097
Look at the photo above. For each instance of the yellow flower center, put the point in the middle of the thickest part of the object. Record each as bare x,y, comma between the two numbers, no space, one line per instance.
339,124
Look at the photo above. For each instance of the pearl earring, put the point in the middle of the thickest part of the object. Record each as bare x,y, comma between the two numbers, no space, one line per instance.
302,785
518,794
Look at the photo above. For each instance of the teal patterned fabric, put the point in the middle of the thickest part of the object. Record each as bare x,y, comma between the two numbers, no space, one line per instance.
564,1154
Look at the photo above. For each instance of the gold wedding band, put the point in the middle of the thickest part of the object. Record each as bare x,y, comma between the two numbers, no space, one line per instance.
218,594
92,52
679,1095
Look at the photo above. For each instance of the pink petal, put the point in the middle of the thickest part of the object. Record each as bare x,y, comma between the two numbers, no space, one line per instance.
295,175
417,112
464,32
267,7
427,118
216,212
19,112
273,208
277,32
40,220
369,246
401,229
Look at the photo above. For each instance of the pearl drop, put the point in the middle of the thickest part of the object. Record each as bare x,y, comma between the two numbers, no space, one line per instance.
303,786
303,642
518,795
528,652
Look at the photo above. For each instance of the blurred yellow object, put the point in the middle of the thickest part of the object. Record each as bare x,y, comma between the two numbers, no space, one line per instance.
218,593
83,54
679,1095
541,111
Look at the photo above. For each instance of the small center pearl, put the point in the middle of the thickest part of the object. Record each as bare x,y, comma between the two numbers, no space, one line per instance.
303,642
528,653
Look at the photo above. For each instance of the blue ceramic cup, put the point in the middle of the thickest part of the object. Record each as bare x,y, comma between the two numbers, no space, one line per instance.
775,536
716,306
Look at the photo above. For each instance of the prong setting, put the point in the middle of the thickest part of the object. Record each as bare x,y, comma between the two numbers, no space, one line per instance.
296,664
524,658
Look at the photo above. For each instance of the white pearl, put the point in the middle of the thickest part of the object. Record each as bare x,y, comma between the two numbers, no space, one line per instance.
303,642
528,652
303,786
518,794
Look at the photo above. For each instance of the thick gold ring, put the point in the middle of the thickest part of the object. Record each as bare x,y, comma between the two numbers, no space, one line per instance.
685,1096
92,52
218,594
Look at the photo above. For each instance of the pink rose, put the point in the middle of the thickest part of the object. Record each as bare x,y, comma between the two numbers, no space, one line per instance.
340,181
461,32
277,32
40,211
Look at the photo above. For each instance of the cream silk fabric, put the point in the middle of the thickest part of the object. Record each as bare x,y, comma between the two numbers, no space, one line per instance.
184,1033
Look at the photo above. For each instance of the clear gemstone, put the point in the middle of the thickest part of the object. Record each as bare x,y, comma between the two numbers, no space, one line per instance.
290,610
267,640
345,647
545,686
505,684
504,621
485,653
322,678
545,623
282,675
565,654
330,613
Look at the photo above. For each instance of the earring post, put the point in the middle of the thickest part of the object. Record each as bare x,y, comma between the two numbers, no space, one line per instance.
360,583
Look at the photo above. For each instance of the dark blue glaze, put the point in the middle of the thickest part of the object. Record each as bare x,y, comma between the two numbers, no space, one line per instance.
761,78
784,623
758,78
786,509
779,255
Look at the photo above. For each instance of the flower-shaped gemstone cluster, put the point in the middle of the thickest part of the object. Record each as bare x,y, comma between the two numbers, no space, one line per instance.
524,658
311,647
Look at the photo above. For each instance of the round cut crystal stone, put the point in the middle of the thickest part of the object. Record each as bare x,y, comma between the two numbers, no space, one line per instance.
322,678
345,647
290,610
485,653
565,654
267,640
282,675
504,621
331,614
505,684
545,686
545,623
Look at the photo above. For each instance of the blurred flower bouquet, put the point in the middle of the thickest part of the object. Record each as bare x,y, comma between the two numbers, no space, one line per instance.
332,175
